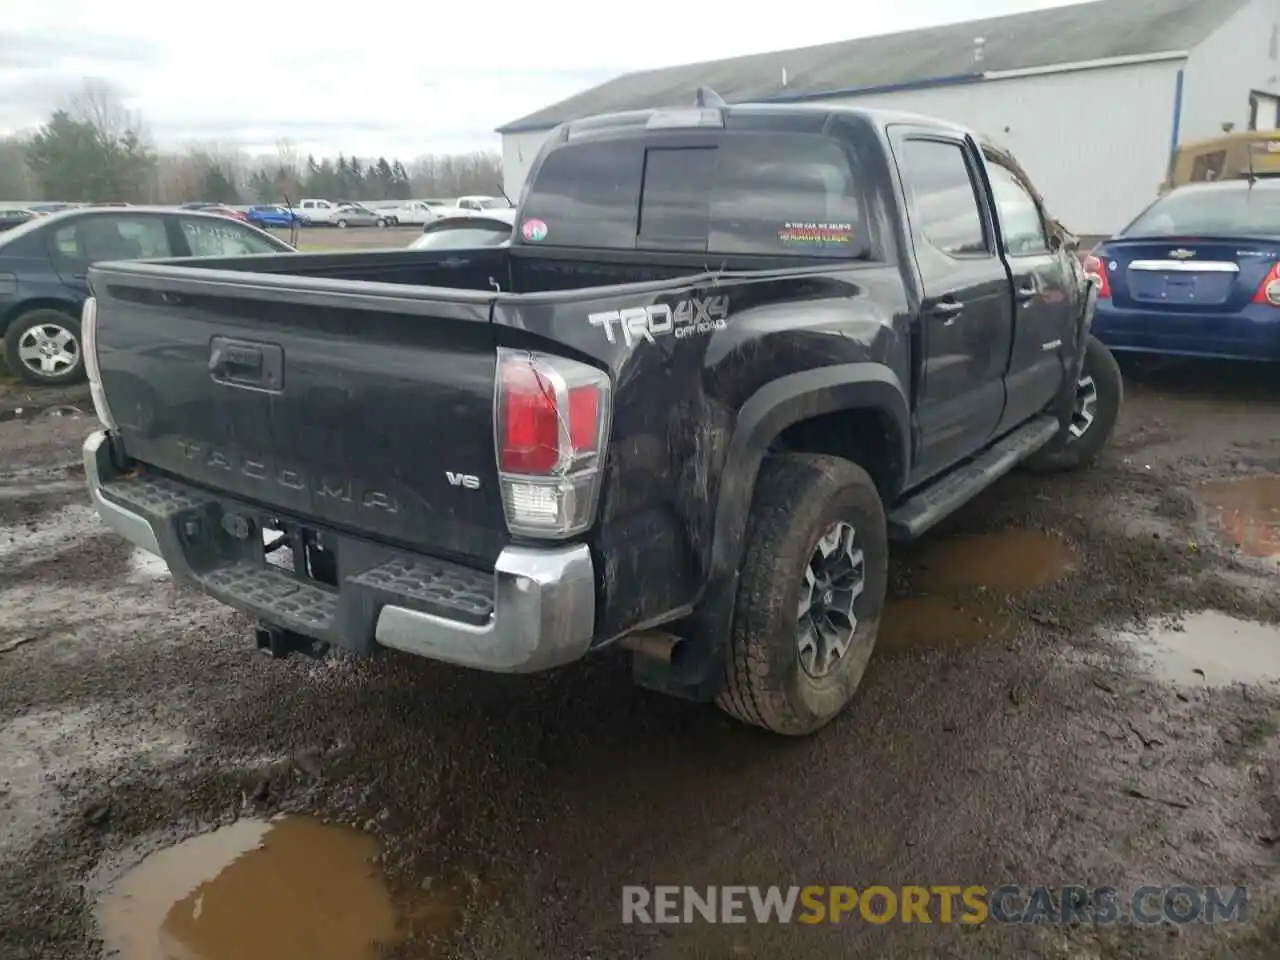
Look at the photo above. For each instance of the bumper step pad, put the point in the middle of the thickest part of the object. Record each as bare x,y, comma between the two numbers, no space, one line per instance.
443,588
274,595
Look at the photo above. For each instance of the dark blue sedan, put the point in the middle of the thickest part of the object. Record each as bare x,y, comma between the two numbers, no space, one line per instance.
1197,274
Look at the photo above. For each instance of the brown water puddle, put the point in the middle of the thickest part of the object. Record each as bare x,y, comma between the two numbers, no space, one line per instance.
287,889
1245,513
946,616
933,622
1211,649
1011,561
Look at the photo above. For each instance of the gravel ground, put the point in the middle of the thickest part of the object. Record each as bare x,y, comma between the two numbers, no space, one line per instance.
1016,734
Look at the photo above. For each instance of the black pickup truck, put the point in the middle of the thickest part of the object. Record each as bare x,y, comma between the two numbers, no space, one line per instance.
729,355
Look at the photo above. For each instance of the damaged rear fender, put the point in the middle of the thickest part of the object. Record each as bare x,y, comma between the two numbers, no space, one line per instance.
853,387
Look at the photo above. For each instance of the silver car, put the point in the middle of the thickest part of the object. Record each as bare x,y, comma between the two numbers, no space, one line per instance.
357,215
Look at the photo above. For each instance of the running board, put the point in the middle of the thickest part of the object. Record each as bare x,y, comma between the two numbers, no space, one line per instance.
914,516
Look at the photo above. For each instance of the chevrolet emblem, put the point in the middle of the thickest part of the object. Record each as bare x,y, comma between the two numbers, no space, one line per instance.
1181,254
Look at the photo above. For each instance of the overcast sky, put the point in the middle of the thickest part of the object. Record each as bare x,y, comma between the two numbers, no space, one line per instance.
395,77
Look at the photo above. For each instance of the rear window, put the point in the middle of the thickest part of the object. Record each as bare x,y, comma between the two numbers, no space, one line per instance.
463,236
1212,211
770,194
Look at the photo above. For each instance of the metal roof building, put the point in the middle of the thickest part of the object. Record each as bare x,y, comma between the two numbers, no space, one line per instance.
1091,97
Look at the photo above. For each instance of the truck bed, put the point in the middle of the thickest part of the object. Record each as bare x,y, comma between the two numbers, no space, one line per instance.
488,271
301,383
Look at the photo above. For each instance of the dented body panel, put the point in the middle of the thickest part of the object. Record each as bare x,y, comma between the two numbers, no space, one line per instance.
695,415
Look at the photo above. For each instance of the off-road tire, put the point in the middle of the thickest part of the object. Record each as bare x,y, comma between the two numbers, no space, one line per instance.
34,318
797,498
1067,452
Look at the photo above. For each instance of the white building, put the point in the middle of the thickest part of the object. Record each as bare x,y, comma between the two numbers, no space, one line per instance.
1091,98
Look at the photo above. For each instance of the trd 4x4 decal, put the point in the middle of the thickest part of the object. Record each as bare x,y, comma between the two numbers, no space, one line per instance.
685,319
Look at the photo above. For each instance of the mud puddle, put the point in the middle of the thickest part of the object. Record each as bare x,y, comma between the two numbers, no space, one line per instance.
291,888
945,613
1010,562
1245,513
1210,649
934,622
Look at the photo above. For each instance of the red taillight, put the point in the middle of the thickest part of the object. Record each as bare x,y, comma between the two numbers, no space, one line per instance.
1268,291
584,414
530,442
1094,267
552,423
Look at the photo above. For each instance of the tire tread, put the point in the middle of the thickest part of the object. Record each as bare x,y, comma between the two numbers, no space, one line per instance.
785,494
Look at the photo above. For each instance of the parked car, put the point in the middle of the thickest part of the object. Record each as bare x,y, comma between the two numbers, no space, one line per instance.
15,218
388,209
408,212
358,215
692,433
1196,274
478,204
225,211
272,215
490,229
315,211
44,262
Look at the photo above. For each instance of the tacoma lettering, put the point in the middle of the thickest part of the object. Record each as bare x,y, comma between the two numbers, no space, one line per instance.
326,488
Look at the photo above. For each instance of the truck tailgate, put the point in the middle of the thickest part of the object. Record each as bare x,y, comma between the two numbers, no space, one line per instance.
370,412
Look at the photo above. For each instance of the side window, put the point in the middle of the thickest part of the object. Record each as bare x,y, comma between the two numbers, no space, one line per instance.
944,203
209,238
585,195
1020,222
148,233
96,238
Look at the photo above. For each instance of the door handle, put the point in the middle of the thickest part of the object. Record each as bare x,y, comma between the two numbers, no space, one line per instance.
239,363
1028,293
948,310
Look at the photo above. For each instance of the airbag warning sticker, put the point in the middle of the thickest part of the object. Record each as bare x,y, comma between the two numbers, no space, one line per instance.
816,234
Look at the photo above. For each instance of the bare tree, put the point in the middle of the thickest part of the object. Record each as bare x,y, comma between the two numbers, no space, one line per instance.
100,105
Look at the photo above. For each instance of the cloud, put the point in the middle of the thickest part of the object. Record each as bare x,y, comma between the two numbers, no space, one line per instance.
42,47
403,80
31,95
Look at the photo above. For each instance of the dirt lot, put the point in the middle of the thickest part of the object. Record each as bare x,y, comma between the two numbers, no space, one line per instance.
1012,728
318,239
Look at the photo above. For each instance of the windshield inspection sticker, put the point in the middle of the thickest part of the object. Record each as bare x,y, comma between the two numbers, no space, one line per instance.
533,230
802,234
687,318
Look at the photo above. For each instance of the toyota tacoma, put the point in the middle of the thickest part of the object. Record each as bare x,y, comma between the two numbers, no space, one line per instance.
730,354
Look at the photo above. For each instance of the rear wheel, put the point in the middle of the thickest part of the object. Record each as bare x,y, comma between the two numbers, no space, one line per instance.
43,347
1099,393
810,596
